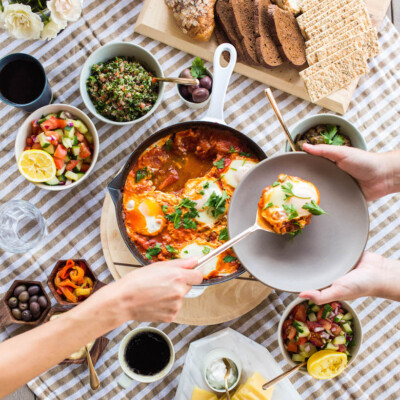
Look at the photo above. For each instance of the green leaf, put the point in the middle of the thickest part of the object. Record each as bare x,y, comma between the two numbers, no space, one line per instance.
268,206
217,204
229,258
198,70
164,208
338,140
232,150
187,203
168,144
291,211
206,250
220,164
244,154
287,188
206,185
276,183
223,235
314,208
171,249
331,136
141,174
153,251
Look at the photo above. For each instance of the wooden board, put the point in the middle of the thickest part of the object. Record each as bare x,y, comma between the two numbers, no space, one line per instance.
218,304
156,21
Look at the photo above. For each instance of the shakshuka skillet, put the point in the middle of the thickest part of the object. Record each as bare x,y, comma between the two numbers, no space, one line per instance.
213,119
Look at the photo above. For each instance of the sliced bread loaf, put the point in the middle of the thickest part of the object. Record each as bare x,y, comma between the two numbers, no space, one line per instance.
286,34
267,51
243,11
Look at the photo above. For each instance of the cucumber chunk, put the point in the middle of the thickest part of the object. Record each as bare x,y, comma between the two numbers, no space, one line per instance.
312,317
76,150
347,316
301,328
315,308
82,128
52,182
298,358
71,175
67,142
339,340
43,140
347,328
330,346
49,149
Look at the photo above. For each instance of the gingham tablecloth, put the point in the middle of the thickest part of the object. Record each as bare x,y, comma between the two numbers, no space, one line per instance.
73,217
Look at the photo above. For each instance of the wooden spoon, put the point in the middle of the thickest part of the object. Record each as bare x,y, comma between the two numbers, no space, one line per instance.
94,379
228,371
179,81
283,376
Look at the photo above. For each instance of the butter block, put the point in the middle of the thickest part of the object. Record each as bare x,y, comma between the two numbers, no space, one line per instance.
201,394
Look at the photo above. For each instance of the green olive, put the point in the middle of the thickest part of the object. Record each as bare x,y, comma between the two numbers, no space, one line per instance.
23,296
23,306
13,302
16,312
19,289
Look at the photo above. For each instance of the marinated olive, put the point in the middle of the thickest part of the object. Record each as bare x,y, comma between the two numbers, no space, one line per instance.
186,74
34,289
19,289
35,309
200,95
23,296
184,92
13,302
23,306
16,312
206,82
33,299
192,88
26,316
42,302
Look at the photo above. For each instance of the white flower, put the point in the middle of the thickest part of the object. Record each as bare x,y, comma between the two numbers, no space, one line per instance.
51,30
64,10
20,22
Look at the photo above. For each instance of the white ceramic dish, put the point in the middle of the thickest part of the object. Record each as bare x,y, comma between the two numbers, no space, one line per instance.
25,130
346,128
118,49
357,333
218,354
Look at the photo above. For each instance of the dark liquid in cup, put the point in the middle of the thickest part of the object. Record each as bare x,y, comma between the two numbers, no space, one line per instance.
21,81
147,353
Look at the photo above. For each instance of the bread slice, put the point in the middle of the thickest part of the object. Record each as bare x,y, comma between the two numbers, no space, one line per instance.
267,52
243,11
226,21
336,75
286,34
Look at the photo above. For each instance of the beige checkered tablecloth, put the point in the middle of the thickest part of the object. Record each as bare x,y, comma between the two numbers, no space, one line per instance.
73,217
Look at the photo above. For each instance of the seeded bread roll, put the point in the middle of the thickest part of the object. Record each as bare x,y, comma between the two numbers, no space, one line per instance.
286,34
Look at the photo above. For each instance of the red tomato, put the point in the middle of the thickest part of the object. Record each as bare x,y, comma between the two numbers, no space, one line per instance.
142,105
36,146
336,329
301,341
71,165
312,325
285,327
292,347
59,163
320,312
315,339
29,141
27,148
342,348
84,151
326,324
35,127
294,311
301,313
53,123
60,152
335,304
79,136
85,167
291,332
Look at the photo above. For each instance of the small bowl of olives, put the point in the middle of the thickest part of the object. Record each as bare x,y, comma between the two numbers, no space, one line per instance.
25,302
196,96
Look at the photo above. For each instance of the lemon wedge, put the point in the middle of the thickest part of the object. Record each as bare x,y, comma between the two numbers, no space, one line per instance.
326,364
37,165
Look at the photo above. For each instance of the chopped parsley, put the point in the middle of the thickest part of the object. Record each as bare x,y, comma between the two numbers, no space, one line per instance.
296,233
331,136
223,235
179,218
217,204
171,249
220,164
198,70
232,150
164,208
201,192
229,258
168,145
287,188
206,250
244,154
186,252
276,183
141,174
219,178
327,310
153,251
291,211
234,169
314,208
268,206
206,185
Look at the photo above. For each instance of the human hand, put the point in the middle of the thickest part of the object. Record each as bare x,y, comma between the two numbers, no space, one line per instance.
371,170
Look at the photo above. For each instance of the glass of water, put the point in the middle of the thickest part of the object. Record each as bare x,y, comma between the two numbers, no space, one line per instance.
21,226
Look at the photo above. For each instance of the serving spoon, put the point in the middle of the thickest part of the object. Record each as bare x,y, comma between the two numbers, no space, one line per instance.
94,379
228,371
179,81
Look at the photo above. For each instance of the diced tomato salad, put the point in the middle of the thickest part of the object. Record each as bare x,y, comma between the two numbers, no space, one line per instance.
310,328
68,140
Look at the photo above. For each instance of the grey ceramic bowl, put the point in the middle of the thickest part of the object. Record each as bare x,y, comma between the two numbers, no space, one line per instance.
118,49
346,127
357,332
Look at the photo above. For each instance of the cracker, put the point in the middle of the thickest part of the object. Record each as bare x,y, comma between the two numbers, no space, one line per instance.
307,5
336,75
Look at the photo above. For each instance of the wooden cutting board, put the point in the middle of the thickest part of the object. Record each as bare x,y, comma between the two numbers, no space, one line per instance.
157,22
218,304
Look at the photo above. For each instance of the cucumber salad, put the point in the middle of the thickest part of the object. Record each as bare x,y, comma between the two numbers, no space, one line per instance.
68,140
310,328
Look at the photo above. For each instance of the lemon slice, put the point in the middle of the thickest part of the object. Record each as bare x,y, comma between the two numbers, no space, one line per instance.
37,165
326,364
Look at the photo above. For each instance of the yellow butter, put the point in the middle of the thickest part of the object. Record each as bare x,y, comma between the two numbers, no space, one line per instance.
252,389
201,394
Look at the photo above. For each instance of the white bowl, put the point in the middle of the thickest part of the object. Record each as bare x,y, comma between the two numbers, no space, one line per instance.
346,128
219,354
357,332
25,130
191,104
119,49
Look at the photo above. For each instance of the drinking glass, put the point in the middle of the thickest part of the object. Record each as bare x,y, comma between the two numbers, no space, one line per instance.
22,226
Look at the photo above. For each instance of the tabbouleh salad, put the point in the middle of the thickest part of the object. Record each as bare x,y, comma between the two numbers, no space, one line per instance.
121,89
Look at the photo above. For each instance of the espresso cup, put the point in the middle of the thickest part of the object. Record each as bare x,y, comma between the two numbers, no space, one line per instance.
24,66
128,376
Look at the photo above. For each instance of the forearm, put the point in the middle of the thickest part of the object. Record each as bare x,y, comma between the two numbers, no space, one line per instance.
388,280
392,160
47,345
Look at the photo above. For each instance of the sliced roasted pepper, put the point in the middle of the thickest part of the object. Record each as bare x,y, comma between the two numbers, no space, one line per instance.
87,282
77,274
82,292
57,279
68,294
68,283
64,271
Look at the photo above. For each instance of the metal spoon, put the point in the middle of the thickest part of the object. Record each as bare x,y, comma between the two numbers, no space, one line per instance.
94,379
283,376
259,224
228,371
180,81
275,107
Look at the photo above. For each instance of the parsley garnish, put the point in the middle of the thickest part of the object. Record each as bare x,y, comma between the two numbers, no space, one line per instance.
234,169
164,208
220,163
153,251
229,258
186,220
296,233
141,174
219,178
327,309
290,211
223,235
206,185
276,183
198,70
171,249
244,154
186,252
331,136
201,192
232,150
206,250
287,188
268,206
217,204
168,144
314,208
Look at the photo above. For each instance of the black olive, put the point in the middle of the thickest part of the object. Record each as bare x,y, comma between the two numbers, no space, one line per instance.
186,74
23,306
200,95
42,302
19,289
13,302
34,289
206,82
33,298
16,312
23,296
26,316
35,309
